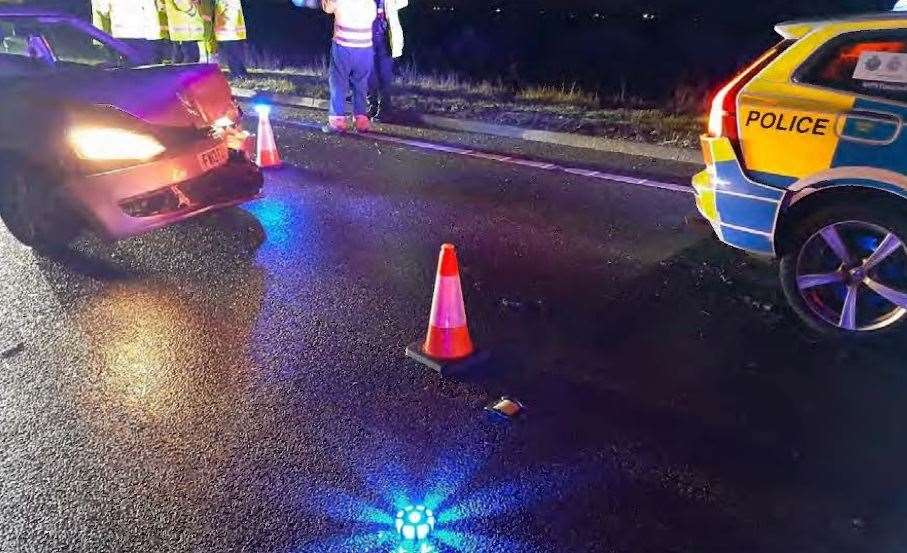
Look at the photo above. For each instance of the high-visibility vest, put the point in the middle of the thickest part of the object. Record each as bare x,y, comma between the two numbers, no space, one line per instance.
394,28
184,20
100,14
353,21
208,46
137,19
229,21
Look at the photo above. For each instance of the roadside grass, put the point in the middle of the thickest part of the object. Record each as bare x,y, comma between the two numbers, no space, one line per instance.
565,107
572,95
275,85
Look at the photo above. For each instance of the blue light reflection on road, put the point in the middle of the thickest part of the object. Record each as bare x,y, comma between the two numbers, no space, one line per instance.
463,508
279,218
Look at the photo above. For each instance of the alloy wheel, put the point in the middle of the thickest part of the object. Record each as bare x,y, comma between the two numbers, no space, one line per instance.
853,275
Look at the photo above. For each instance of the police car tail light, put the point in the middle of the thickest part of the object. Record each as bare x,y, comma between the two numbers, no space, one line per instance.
723,115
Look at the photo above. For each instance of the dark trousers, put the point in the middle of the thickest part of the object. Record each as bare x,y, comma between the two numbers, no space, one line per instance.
382,79
150,51
186,52
350,69
235,53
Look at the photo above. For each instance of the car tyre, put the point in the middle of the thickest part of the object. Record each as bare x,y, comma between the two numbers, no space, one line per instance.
33,212
860,227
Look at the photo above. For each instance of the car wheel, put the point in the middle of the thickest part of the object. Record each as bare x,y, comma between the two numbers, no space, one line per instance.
32,212
844,270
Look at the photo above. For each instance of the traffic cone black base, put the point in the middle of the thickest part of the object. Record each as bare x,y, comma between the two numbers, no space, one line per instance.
446,367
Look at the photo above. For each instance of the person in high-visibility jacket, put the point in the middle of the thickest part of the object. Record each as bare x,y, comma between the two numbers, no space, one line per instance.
352,57
187,28
100,15
230,33
140,23
388,39
208,47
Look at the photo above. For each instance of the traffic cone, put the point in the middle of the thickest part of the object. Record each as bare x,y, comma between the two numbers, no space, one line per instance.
268,156
447,347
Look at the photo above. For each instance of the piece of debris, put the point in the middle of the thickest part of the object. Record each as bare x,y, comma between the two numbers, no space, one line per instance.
13,351
506,408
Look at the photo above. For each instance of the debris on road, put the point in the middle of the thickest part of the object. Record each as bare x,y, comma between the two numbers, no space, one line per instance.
506,408
514,304
8,353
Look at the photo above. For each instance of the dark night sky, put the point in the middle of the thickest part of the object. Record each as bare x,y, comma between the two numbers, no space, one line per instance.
603,44
566,41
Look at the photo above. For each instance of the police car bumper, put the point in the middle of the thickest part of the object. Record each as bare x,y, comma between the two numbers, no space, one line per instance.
742,212
142,198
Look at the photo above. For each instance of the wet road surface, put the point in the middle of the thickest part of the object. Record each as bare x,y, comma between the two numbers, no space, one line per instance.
237,383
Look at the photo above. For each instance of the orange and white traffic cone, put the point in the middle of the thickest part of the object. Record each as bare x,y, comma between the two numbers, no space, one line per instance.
448,347
268,156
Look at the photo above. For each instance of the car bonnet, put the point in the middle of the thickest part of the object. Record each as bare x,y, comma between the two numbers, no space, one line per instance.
173,96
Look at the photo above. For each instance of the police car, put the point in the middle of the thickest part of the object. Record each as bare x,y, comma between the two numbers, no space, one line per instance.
90,138
806,160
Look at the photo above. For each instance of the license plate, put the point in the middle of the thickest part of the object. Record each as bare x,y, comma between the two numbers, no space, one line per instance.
213,158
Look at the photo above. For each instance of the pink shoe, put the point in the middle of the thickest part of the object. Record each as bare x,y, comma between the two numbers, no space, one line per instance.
363,124
336,124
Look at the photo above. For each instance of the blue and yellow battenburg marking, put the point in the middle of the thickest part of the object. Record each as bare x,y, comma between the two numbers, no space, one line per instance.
742,211
790,134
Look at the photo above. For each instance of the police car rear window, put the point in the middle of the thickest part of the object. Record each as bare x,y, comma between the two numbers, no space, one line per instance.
867,63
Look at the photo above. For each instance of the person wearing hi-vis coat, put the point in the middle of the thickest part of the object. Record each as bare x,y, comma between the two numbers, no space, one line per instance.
142,24
100,14
352,56
388,39
187,29
230,34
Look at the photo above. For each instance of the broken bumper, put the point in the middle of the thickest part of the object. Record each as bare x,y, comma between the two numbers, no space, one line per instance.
139,199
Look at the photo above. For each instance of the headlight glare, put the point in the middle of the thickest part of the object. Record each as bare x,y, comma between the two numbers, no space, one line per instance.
111,144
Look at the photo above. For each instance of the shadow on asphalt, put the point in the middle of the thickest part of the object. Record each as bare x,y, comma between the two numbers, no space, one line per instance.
700,362
235,232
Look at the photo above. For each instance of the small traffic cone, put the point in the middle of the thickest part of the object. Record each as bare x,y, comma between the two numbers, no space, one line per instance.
448,347
268,156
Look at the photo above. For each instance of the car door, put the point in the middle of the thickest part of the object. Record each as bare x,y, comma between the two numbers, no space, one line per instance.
872,67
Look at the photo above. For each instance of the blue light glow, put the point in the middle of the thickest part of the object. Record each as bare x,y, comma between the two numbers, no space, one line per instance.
415,523
263,110
447,513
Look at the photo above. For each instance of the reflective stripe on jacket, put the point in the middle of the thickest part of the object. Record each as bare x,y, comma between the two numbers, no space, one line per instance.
184,20
229,21
353,20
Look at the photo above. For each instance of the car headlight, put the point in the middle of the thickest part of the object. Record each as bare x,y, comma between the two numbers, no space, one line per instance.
110,144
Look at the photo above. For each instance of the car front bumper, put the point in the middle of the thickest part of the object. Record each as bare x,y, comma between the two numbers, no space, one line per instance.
742,212
145,197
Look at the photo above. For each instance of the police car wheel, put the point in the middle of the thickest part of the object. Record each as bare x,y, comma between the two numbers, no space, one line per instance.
31,214
845,270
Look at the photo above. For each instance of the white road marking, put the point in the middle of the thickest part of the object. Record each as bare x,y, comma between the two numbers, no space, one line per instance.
510,160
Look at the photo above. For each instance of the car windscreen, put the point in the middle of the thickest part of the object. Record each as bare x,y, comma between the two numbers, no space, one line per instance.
29,42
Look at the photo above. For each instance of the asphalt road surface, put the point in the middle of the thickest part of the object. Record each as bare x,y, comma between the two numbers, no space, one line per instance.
237,383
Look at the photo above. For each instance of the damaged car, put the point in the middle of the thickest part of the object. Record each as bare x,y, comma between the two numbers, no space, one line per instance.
92,139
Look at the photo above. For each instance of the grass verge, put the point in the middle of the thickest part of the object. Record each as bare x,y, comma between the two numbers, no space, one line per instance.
564,108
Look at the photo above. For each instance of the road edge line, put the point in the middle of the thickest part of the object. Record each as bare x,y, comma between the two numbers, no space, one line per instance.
508,160
597,143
